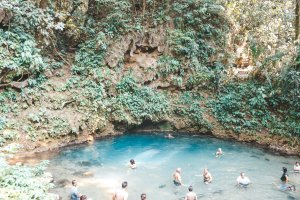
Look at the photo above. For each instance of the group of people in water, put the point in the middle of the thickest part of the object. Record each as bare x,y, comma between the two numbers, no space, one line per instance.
242,181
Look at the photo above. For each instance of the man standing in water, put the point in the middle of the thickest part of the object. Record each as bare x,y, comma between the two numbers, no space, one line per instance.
177,177
121,194
74,191
191,195
243,180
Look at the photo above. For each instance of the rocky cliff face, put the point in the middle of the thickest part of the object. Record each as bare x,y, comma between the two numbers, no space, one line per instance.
113,67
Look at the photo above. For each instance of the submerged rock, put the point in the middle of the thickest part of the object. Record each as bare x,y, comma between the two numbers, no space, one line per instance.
62,183
85,163
46,178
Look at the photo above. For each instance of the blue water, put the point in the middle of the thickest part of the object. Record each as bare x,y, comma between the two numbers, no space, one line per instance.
106,164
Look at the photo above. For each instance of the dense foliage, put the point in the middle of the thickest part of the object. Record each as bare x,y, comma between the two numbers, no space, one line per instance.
23,182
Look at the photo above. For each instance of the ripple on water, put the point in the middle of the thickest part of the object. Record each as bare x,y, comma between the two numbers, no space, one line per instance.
100,168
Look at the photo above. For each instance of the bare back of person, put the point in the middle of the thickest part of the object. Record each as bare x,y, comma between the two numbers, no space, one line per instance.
177,178
120,195
191,196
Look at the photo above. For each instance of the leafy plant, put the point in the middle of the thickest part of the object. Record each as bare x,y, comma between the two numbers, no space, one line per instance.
143,104
168,65
90,56
21,182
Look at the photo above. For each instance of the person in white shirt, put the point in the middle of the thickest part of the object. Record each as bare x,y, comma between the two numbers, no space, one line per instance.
243,180
297,167
121,194
132,164
74,191
191,195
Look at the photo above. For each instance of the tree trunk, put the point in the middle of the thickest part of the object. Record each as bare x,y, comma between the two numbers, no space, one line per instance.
297,19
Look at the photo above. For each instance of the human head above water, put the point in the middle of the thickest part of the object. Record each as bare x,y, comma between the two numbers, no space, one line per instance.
178,170
143,196
284,169
242,174
74,183
124,184
132,162
190,188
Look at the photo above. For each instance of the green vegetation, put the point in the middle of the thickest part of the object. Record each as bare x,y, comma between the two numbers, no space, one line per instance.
22,182
141,103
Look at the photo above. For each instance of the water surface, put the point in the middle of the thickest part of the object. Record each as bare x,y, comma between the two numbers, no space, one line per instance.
100,168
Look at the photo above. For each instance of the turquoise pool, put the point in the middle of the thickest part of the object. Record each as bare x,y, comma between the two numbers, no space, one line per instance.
100,168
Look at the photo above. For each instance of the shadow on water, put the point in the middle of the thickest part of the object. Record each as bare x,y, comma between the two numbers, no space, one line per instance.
291,197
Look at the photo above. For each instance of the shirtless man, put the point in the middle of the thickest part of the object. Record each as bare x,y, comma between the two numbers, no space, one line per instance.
191,195
177,177
121,194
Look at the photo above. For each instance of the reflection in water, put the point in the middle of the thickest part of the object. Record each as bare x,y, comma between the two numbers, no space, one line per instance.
100,169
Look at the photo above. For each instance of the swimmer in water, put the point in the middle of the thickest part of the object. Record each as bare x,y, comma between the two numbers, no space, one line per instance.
121,194
169,136
207,178
284,177
132,164
243,180
219,152
191,195
297,167
143,196
177,177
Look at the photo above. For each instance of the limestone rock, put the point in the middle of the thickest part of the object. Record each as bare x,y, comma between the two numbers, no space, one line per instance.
53,196
147,40
46,178
5,16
